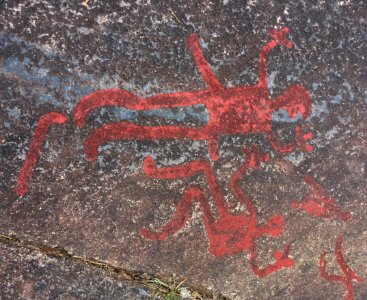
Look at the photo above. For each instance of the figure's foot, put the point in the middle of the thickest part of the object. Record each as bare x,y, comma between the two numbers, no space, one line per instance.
151,235
282,261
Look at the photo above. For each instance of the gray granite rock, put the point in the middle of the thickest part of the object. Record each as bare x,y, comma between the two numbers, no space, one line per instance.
26,274
52,53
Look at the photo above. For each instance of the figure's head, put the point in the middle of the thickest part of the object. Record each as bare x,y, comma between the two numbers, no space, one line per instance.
296,99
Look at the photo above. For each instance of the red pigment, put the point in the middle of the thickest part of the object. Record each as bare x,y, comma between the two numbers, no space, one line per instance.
35,149
237,110
319,203
229,233
349,274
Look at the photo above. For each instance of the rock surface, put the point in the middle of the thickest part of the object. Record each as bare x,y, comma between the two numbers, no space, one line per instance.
52,53
26,274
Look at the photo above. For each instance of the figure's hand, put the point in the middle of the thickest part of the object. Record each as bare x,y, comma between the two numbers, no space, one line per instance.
280,37
302,138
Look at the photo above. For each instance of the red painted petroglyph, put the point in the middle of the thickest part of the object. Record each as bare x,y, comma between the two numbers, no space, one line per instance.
349,274
238,110
230,233
232,111
319,203
35,148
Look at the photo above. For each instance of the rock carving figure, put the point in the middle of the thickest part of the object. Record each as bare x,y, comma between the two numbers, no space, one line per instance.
349,274
230,233
236,110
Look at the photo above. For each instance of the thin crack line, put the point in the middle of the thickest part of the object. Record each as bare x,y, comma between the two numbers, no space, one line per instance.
146,280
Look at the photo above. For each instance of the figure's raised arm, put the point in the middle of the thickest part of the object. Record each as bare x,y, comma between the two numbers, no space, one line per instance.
279,38
200,60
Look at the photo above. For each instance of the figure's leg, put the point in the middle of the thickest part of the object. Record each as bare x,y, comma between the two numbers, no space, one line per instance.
253,159
214,149
325,274
282,261
35,148
347,270
182,214
125,131
188,170
205,69
174,172
350,275
332,277
122,98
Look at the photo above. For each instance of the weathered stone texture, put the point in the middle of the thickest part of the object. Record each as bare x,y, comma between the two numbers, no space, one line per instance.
52,53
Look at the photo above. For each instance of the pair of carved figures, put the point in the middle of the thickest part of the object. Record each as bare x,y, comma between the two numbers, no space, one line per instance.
232,111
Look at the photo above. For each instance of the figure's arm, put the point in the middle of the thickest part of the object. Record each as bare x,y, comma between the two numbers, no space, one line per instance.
279,38
35,149
173,172
182,214
200,60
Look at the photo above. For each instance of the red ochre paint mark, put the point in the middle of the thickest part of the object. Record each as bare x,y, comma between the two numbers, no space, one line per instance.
349,274
319,203
228,234
35,149
235,110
